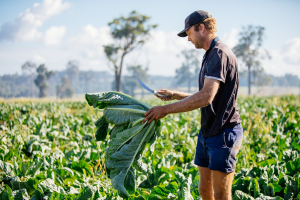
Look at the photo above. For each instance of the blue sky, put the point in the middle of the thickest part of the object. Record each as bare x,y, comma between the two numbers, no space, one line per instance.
56,31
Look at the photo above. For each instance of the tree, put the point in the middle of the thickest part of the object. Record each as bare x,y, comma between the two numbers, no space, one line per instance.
64,89
128,34
40,80
29,67
86,76
250,50
131,81
72,69
189,70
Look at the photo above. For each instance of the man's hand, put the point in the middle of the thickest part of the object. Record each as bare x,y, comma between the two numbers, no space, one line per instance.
169,95
155,113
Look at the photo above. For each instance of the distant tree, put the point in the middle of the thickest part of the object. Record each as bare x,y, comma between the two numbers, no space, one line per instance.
72,69
136,72
41,79
250,50
128,34
86,76
29,68
64,89
189,70
288,80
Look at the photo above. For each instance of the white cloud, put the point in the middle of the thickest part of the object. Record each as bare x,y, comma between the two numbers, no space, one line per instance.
291,51
231,38
162,52
284,60
38,59
25,26
53,35
88,46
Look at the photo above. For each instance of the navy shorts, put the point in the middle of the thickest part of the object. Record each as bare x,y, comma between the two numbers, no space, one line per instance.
219,152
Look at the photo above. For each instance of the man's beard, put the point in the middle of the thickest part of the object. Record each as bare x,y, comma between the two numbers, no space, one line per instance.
200,42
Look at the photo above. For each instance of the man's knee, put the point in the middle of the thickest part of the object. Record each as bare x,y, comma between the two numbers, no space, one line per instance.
205,192
222,195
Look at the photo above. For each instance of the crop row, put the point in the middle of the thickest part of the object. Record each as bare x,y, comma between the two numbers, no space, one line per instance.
49,151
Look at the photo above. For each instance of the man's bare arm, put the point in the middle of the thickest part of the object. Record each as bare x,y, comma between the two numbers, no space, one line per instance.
172,95
192,102
197,100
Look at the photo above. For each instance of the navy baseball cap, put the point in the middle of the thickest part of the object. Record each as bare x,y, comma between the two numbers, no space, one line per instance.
193,19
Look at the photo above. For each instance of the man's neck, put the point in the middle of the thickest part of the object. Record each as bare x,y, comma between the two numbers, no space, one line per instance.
208,41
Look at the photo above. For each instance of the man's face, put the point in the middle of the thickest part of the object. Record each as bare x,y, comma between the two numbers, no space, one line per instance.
195,37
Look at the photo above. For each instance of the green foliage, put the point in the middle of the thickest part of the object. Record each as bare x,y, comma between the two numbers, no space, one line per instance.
49,151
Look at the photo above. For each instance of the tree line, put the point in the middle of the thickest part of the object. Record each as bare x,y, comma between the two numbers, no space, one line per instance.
20,85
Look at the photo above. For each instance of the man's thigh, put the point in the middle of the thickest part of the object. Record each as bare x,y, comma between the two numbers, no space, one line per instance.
223,148
205,184
214,184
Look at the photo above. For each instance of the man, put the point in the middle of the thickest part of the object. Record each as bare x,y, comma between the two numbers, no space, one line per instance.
221,133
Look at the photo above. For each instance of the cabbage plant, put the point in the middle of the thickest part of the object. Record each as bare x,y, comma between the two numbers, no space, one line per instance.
128,137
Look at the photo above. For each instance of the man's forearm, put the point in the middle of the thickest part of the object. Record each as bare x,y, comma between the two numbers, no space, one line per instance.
188,103
180,95
197,100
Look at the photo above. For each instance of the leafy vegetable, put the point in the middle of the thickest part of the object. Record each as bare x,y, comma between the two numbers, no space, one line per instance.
55,140
128,137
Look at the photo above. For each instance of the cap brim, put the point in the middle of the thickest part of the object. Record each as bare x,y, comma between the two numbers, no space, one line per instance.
183,33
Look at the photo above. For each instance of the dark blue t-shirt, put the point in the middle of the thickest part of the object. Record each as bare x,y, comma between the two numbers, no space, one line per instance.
220,63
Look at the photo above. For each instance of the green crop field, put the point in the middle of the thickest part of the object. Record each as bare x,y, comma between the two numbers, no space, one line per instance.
48,150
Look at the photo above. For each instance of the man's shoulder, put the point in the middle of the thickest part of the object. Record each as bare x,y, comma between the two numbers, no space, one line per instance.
221,47
223,50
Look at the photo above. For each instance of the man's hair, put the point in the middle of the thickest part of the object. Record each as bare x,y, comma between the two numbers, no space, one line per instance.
209,23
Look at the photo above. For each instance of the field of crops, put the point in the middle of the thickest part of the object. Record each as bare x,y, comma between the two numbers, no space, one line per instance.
49,151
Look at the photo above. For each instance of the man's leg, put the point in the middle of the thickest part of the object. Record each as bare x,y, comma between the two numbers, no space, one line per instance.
222,183
205,184
222,151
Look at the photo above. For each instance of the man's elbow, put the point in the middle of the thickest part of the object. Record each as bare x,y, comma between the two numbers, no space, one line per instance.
209,100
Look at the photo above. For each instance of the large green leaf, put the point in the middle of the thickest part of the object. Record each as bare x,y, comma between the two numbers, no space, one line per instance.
103,100
87,193
123,114
239,195
20,195
185,186
122,138
48,186
293,167
123,159
7,168
164,191
102,128
292,189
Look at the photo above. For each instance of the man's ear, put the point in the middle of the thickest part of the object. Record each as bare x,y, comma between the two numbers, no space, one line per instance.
202,27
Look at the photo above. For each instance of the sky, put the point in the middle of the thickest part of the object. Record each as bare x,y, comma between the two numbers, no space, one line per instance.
53,32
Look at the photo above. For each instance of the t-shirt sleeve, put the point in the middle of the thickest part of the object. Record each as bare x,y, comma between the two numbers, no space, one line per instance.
216,67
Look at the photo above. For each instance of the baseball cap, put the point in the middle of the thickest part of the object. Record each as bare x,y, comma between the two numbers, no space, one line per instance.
193,19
